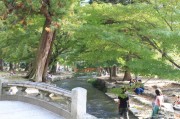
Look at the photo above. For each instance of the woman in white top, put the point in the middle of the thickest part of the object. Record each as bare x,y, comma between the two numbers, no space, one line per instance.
157,103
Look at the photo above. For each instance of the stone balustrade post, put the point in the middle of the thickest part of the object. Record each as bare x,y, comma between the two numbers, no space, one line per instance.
78,104
1,82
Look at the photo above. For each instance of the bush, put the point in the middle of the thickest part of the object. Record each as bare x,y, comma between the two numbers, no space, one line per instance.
99,84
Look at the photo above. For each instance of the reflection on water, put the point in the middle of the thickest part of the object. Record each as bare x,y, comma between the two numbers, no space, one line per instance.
98,104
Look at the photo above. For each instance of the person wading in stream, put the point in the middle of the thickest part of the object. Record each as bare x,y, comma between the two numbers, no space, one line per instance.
123,105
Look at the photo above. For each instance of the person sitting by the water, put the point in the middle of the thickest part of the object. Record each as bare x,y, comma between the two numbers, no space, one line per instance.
176,105
12,72
135,80
140,89
177,102
131,82
49,77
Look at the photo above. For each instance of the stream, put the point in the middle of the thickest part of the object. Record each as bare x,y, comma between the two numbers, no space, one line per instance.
98,104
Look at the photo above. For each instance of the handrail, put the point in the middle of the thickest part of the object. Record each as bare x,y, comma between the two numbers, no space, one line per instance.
71,105
40,86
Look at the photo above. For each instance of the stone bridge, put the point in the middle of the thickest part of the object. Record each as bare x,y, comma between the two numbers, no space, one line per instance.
68,104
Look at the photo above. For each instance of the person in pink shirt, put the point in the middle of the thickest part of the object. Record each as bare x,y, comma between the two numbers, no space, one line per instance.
177,102
158,102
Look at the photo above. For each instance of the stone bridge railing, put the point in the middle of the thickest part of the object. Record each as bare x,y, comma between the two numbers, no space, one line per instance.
69,104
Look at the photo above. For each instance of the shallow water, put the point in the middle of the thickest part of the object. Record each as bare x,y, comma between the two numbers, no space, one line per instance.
98,104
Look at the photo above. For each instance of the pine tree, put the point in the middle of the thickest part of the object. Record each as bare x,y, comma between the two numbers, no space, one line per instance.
23,11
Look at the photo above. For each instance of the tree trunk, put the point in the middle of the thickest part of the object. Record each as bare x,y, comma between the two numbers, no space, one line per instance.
27,67
1,65
107,69
99,71
53,69
39,68
114,71
67,68
11,66
53,62
16,66
110,73
48,59
127,76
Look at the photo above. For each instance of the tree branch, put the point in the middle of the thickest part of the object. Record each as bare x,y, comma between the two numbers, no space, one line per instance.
165,20
155,46
44,9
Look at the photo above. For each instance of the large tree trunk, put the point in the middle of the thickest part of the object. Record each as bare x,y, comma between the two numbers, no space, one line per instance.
44,77
39,68
110,73
127,76
1,65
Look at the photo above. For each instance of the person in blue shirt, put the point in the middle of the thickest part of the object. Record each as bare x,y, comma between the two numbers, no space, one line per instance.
140,89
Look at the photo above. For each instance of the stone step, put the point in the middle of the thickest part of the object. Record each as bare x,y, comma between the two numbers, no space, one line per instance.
140,109
143,101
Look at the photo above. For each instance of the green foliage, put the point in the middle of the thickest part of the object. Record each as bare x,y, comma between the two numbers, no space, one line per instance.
19,43
125,87
91,81
137,32
119,92
2,8
135,35
152,67
22,28
124,2
100,85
